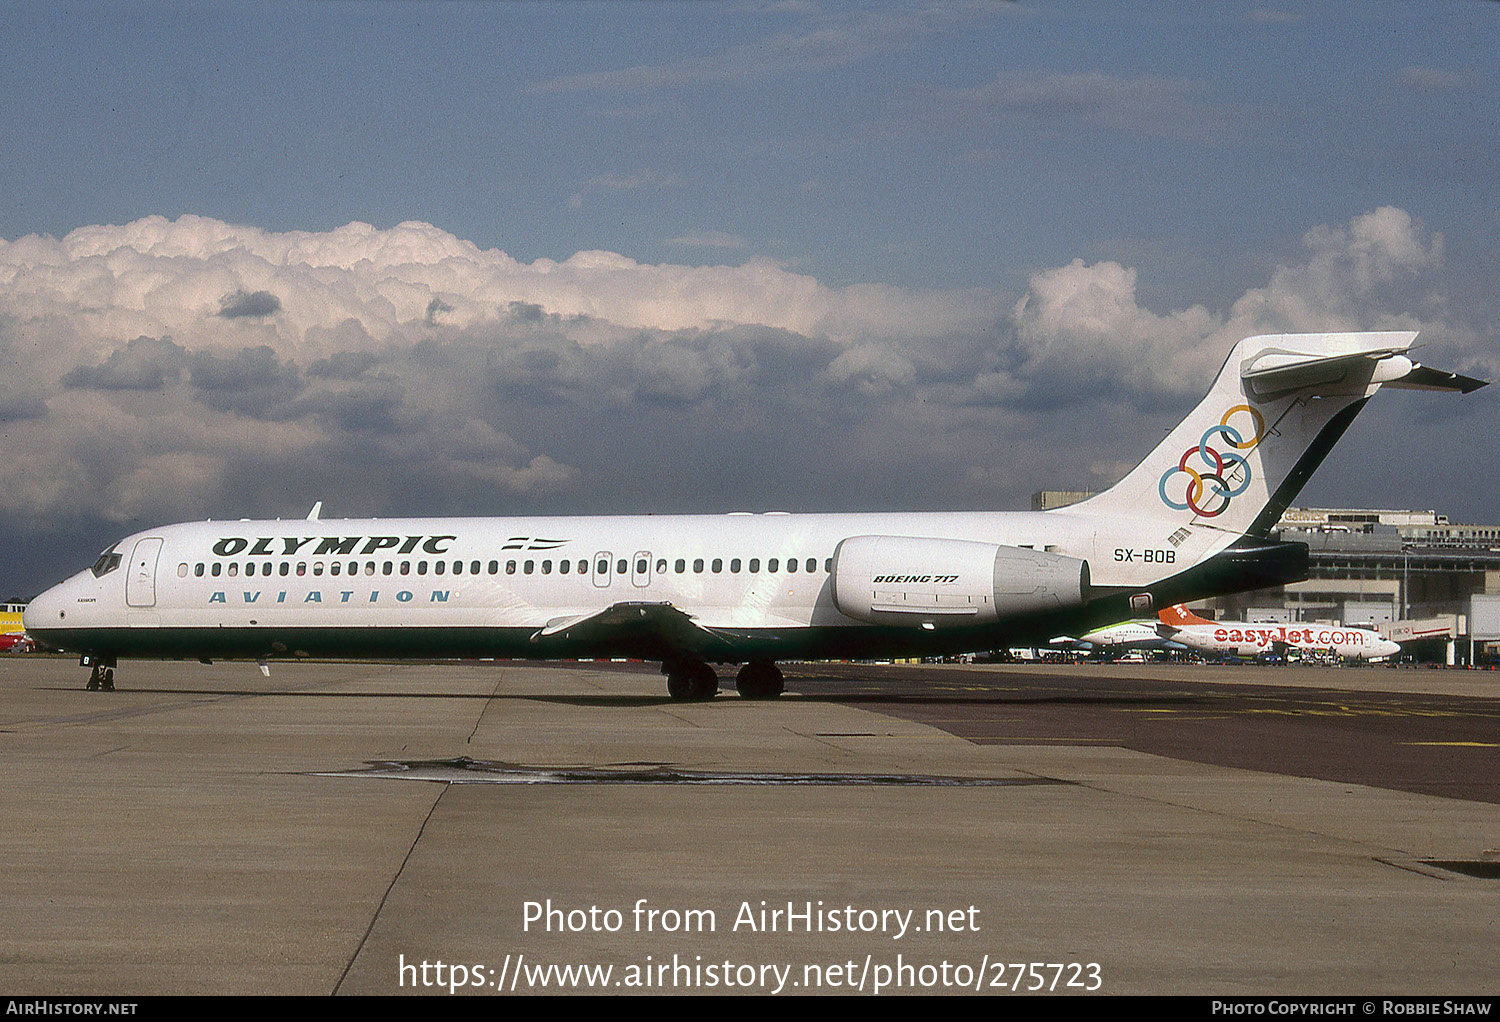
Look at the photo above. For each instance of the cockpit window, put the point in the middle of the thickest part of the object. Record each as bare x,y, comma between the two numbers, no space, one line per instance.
107,562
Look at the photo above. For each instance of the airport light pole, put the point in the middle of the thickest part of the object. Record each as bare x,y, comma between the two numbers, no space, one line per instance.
1405,581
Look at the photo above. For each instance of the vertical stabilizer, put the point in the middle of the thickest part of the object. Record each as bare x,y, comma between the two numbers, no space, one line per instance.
1177,615
1276,408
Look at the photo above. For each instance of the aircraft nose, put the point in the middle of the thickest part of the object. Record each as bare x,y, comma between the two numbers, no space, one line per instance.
47,611
40,611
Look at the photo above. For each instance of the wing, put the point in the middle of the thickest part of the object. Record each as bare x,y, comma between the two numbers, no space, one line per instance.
649,630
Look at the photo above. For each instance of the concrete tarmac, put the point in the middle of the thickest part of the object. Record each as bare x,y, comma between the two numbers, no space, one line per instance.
204,830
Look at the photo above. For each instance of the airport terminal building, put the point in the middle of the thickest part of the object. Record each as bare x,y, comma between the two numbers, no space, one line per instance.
1431,584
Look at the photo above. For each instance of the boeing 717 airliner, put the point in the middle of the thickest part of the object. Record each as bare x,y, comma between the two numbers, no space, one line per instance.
1188,522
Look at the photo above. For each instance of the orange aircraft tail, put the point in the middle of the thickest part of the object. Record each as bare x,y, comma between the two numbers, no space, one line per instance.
1177,615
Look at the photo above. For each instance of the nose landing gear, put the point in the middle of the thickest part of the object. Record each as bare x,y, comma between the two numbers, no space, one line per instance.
102,678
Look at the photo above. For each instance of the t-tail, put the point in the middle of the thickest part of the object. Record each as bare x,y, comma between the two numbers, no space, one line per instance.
1277,407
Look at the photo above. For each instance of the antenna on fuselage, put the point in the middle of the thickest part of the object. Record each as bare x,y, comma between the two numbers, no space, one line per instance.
312,515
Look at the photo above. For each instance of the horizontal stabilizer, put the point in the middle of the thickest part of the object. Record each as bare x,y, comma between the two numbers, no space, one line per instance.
1424,378
1374,358
1325,360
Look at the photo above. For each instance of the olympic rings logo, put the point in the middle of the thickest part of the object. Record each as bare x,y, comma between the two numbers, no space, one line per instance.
1204,464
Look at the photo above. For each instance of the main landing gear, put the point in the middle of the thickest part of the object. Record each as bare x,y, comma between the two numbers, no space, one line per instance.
760,679
690,680
695,681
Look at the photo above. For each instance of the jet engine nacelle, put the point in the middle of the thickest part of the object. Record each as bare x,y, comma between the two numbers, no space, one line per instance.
940,583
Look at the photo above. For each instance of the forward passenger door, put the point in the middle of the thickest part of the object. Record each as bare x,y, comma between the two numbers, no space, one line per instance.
140,581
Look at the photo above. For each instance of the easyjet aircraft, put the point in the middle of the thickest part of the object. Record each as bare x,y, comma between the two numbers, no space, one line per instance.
1114,639
691,591
1239,638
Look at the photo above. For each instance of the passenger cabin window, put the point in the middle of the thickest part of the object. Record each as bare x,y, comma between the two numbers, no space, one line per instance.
754,565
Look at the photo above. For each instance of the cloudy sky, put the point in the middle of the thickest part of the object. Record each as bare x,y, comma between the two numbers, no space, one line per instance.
592,257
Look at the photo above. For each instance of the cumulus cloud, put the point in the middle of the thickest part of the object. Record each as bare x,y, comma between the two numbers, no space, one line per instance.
195,368
1081,330
145,363
252,381
383,356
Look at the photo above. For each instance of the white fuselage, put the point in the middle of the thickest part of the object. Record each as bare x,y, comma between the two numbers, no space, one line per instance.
1248,640
1127,635
739,574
